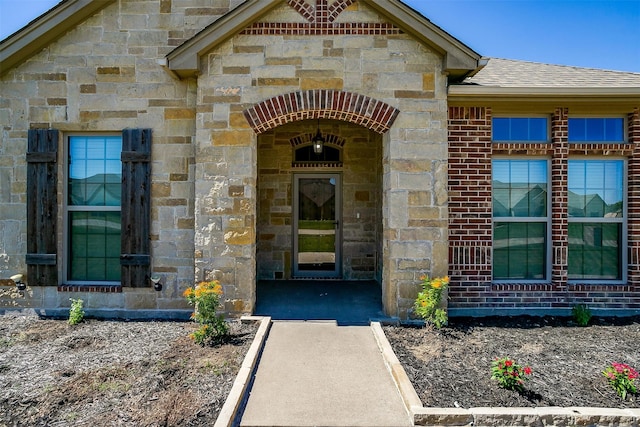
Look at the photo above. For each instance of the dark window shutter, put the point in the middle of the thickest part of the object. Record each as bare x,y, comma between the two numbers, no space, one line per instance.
135,257
42,207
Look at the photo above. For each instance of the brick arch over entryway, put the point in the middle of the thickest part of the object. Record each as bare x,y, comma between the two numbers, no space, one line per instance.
321,104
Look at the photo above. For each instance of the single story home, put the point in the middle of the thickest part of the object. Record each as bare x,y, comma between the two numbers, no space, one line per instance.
152,144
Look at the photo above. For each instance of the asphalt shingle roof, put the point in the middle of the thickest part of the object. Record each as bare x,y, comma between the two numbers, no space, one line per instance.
512,73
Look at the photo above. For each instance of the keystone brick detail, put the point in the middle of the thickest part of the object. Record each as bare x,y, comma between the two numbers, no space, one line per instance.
321,21
322,12
321,104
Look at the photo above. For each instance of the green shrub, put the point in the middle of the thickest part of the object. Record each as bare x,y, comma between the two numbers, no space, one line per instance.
581,314
427,304
76,313
205,298
509,374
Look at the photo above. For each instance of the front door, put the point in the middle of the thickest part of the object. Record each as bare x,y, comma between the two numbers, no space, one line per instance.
316,225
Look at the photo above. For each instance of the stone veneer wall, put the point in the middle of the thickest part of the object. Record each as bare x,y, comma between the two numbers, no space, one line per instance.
103,76
470,221
271,59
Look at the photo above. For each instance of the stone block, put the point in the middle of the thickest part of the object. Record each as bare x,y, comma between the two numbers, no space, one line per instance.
504,416
555,416
140,298
179,113
322,83
603,417
400,81
441,417
239,236
420,198
413,181
303,48
231,138
409,250
428,82
418,213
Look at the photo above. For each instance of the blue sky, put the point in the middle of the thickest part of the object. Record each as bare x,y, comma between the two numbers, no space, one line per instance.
585,33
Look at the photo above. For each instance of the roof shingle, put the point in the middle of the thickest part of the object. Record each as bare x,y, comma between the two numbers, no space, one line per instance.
518,74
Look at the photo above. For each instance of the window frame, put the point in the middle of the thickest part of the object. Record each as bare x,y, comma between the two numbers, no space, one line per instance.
66,209
547,140
624,259
513,219
625,133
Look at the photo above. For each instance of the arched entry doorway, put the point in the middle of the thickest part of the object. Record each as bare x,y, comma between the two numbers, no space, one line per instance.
320,214
319,219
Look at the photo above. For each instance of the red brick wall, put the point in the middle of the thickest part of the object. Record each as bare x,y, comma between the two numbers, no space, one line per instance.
470,219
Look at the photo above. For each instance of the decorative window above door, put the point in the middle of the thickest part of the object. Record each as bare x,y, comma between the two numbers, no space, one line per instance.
304,155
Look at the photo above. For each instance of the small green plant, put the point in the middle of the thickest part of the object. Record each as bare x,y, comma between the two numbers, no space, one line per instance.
76,313
622,378
509,374
581,314
205,298
427,304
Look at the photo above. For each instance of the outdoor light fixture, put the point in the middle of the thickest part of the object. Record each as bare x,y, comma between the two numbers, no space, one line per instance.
17,279
318,141
156,282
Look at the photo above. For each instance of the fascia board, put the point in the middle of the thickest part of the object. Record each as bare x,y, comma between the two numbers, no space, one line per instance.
46,29
184,59
470,91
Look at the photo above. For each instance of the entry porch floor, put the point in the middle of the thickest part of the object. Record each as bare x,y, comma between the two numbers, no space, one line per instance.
345,301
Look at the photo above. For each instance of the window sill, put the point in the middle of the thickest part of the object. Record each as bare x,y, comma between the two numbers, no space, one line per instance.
540,286
109,289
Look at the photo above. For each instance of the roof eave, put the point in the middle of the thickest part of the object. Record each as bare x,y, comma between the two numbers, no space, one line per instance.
46,29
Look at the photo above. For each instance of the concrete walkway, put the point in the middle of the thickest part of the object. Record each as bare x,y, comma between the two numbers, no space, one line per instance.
322,374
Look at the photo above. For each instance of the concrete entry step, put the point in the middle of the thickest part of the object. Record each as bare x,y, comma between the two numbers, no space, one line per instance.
322,374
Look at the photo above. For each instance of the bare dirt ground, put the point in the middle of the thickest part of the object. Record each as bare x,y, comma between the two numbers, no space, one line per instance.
113,373
452,367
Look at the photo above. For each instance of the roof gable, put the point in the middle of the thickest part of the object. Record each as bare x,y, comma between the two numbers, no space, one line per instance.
459,59
46,29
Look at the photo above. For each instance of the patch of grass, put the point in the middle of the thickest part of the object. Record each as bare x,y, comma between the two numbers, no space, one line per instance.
6,342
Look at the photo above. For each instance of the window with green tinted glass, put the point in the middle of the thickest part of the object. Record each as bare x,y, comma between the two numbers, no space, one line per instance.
596,219
524,129
520,219
596,129
94,182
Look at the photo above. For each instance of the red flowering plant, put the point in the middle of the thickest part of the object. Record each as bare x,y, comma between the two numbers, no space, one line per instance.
427,303
622,378
205,298
509,374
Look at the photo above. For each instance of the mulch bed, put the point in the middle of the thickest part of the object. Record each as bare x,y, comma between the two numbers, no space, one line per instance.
113,373
451,367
